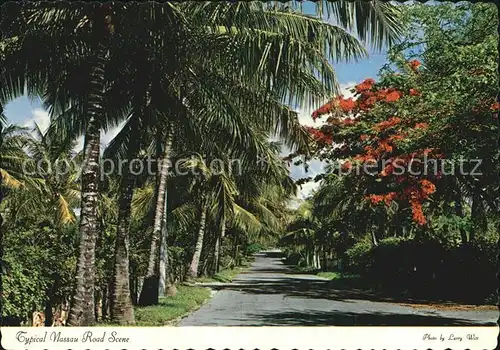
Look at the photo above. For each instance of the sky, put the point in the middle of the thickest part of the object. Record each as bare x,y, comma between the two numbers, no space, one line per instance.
348,75
26,112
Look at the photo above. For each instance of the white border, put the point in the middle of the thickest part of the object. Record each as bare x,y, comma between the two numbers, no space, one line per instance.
301,338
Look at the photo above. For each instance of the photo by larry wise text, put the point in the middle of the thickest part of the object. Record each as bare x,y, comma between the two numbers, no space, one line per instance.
451,336
58,337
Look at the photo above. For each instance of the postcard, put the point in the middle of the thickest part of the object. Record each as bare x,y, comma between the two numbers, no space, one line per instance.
249,175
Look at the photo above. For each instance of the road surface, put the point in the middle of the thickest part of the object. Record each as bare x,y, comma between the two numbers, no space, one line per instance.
270,294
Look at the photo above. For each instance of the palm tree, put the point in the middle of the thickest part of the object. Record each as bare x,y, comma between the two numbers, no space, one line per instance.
59,185
286,75
3,121
14,138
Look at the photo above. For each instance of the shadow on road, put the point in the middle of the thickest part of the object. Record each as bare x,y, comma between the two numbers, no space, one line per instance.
283,279
299,287
339,318
273,294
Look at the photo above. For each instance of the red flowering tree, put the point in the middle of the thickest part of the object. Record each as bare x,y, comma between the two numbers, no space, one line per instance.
412,175
409,127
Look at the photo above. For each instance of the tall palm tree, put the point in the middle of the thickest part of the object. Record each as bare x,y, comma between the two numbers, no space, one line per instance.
247,46
59,185
3,121
82,308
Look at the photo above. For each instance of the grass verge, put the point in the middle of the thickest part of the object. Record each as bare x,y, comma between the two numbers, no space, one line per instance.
337,275
225,276
187,299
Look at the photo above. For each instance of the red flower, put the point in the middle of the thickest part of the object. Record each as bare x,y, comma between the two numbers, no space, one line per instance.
382,93
387,124
389,197
414,64
418,214
368,103
347,105
325,109
365,85
346,165
384,146
427,187
364,137
393,96
376,198
414,92
495,107
421,126
389,169
396,138
348,121
319,136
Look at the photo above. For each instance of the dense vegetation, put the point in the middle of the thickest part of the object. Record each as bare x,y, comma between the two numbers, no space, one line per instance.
83,231
404,227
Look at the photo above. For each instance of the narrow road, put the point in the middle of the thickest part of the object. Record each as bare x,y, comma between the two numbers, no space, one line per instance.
270,294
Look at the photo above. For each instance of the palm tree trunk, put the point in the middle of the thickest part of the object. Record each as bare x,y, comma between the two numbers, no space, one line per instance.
374,238
218,243
82,311
460,213
324,263
193,269
149,292
479,219
1,198
235,251
82,308
165,287
122,310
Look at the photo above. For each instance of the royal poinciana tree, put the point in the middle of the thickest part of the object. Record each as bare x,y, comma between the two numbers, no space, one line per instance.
404,227
424,134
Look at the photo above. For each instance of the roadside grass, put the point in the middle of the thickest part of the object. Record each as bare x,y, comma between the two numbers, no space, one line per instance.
344,280
337,275
224,276
187,299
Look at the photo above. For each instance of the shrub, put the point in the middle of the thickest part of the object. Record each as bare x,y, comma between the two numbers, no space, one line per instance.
426,268
253,248
359,256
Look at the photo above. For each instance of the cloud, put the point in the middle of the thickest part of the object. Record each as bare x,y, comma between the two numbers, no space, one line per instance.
346,89
304,115
306,190
315,166
40,117
106,138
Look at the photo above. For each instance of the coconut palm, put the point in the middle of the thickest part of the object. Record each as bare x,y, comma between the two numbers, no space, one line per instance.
87,108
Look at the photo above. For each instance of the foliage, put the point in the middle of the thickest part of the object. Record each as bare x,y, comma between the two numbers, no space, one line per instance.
187,299
224,276
253,248
337,275
418,111
404,227
40,262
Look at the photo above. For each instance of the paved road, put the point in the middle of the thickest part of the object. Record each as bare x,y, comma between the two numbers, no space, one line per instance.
269,294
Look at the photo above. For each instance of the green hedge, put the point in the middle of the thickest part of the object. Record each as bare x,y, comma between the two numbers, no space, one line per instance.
427,269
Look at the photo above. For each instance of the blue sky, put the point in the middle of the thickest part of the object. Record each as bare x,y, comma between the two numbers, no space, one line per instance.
21,110
348,73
